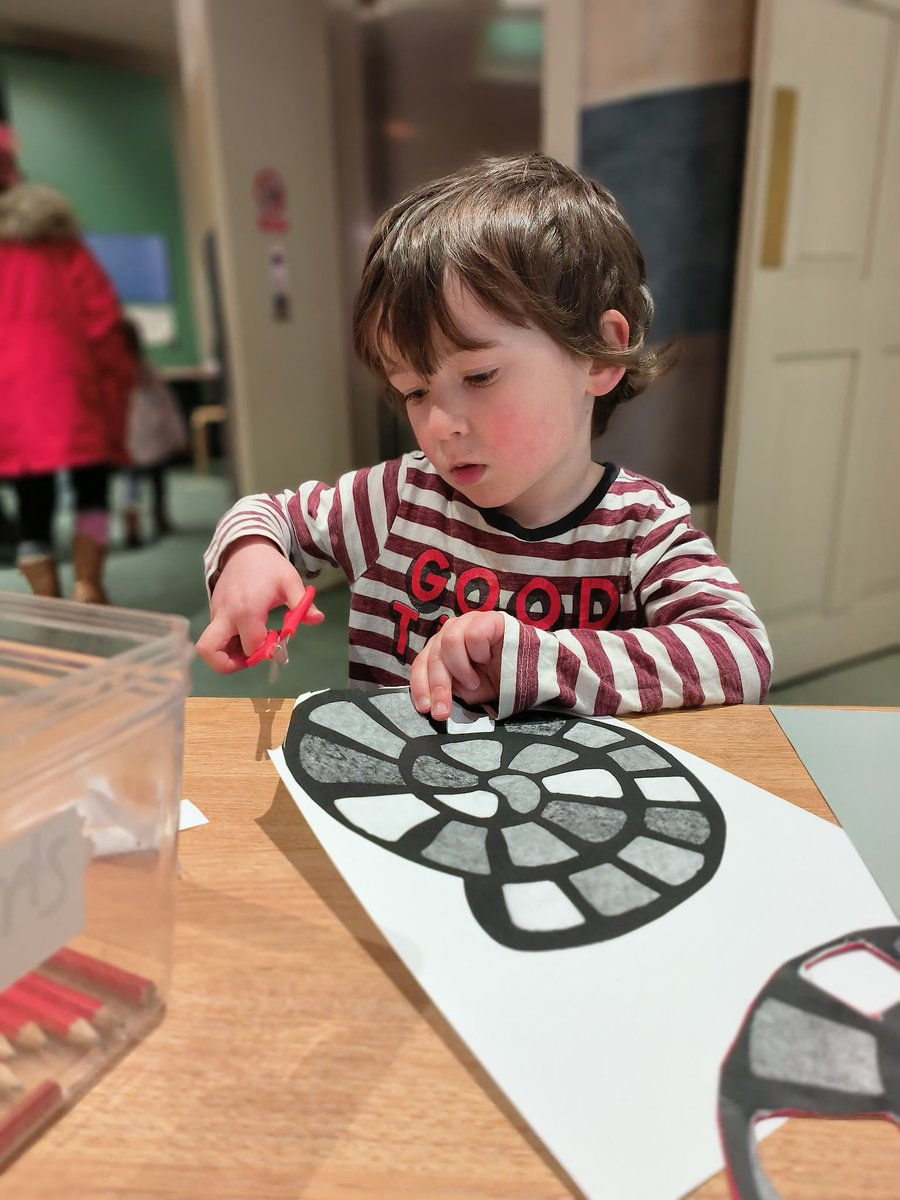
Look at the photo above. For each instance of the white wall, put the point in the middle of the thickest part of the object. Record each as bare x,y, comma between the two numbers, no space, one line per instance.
256,95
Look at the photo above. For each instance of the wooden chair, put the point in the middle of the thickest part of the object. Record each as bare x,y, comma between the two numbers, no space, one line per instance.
202,417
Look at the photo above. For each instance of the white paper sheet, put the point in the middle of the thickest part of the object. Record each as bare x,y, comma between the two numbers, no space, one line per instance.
189,816
611,1051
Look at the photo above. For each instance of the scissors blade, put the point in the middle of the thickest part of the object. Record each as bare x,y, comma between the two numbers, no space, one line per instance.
279,659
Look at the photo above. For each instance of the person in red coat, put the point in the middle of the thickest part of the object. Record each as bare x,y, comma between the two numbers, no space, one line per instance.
65,376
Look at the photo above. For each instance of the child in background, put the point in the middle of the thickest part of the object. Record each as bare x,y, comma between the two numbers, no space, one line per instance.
156,433
505,308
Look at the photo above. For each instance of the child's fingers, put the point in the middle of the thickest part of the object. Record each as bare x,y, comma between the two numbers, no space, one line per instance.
453,650
229,658
451,660
440,680
251,629
484,636
430,685
291,586
209,643
294,591
220,648
419,688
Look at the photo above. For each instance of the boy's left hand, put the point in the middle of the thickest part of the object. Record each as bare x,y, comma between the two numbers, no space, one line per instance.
462,658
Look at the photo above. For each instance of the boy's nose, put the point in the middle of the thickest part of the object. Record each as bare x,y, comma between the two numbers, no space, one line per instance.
446,421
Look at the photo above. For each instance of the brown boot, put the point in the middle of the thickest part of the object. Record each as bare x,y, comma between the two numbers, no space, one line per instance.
161,523
133,528
41,574
88,558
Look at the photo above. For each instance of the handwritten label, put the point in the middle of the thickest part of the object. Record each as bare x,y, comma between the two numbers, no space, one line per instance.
41,893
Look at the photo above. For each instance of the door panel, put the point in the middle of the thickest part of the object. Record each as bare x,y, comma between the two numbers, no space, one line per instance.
813,391
812,397
886,242
879,558
840,80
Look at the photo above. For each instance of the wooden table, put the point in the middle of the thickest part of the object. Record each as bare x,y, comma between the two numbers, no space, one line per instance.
298,1056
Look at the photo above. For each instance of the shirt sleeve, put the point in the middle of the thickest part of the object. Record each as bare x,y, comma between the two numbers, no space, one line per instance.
698,642
342,525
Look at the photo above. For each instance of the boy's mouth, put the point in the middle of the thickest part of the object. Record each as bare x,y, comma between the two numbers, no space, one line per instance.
467,473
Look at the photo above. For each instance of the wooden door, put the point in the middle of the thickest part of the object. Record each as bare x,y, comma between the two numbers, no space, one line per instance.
809,513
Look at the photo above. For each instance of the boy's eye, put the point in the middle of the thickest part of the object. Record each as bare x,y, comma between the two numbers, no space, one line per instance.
482,379
415,397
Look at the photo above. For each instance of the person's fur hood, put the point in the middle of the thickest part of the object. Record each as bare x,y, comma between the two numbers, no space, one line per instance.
31,212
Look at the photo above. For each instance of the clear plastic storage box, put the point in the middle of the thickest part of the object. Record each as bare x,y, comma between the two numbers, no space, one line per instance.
91,736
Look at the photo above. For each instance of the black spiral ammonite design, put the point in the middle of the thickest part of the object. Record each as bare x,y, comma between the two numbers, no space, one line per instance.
565,830
803,1052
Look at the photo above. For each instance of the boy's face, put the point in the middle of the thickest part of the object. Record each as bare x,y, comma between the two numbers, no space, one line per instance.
509,426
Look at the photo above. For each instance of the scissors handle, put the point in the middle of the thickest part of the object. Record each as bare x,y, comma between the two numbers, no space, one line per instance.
265,650
292,621
295,616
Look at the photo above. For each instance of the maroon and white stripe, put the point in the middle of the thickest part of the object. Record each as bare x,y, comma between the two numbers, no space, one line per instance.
685,633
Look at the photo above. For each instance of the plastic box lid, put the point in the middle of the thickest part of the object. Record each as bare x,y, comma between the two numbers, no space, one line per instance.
72,675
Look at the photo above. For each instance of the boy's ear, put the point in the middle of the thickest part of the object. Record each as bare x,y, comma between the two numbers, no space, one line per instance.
614,332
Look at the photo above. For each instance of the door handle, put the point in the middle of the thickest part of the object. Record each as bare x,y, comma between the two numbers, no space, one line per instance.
781,159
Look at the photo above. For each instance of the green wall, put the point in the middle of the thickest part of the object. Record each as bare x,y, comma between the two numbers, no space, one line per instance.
103,136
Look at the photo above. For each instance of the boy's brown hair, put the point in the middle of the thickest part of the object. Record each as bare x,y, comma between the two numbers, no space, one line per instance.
535,242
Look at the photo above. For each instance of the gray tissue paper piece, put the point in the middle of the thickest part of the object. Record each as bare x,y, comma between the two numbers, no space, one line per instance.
531,846
610,891
398,708
482,755
534,728
676,823
460,846
541,757
790,1044
586,733
434,773
330,763
638,758
350,720
522,795
671,864
591,822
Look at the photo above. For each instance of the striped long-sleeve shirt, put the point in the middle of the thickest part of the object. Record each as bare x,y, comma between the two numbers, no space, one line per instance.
620,607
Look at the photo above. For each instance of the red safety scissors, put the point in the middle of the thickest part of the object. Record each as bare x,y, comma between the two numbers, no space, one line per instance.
274,645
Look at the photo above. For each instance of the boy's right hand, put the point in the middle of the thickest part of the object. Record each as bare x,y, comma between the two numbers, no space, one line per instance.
255,578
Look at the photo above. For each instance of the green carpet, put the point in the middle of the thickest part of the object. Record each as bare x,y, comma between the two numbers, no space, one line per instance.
167,576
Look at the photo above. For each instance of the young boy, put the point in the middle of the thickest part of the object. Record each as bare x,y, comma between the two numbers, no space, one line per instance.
505,307
156,432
